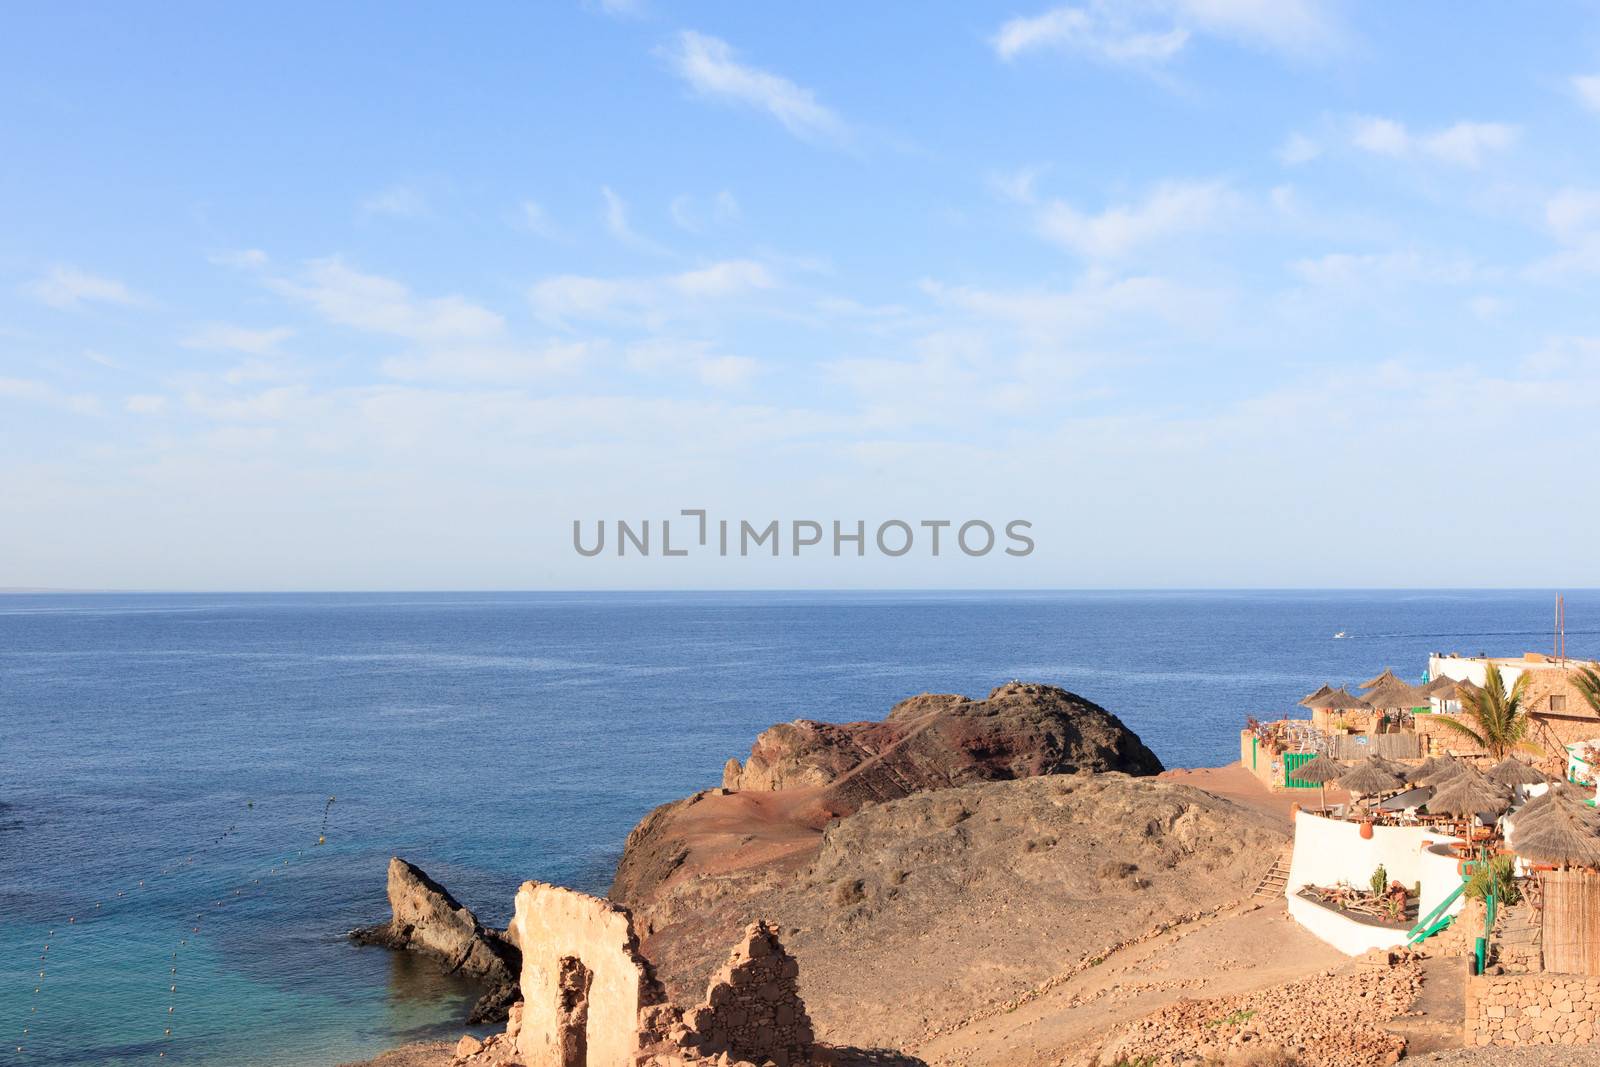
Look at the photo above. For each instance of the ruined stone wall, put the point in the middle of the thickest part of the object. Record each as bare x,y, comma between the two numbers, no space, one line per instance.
1532,1009
583,980
753,1009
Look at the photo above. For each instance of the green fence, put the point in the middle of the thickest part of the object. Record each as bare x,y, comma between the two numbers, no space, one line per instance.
1291,762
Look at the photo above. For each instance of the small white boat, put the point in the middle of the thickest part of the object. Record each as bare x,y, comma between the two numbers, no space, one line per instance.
1340,634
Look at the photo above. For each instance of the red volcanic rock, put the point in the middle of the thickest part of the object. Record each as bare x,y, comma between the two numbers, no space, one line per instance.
941,740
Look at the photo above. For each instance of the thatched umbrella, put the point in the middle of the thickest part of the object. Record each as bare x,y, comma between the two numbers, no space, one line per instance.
1393,693
1513,772
1440,686
1444,769
1336,700
1422,770
1371,683
1561,832
1371,777
1468,793
1321,691
1320,770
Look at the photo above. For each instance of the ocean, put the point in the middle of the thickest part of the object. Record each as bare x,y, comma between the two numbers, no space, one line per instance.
169,763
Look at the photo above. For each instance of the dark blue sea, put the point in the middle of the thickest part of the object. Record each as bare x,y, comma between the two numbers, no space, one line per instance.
166,762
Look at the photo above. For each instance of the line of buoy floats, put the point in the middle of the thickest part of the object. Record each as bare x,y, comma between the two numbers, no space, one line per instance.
187,862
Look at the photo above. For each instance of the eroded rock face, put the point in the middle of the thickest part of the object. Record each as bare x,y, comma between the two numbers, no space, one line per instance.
936,740
427,919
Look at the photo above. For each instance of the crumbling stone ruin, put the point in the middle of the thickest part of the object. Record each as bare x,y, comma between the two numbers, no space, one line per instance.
753,1009
591,1000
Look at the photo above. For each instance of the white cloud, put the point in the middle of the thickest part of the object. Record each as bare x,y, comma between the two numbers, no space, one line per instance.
1587,86
398,201
241,258
377,304
1299,148
694,359
709,66
691,216
1464,144
1099,31
532,216
1573,215
145,404
1384,270
1154,32
1016,186
34,391
69,289
219,336
569,297
491,363
617,224
1171,208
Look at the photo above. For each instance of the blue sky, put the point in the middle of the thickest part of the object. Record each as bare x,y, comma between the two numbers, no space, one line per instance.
1212,292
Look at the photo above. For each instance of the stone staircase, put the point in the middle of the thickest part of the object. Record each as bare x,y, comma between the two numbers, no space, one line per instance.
1272,883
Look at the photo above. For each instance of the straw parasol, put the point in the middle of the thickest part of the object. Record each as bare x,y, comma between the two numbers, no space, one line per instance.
1423,770
1372,683
1336,700
1512,771
1561,832
1444,768
1321,691
1320,770
1370,777
1468,793
1393,693
1440,686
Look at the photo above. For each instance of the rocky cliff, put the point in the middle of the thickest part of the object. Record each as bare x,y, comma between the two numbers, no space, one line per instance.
426,918
937,740
822,771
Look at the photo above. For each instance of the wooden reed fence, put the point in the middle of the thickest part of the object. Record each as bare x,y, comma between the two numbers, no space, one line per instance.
1571,934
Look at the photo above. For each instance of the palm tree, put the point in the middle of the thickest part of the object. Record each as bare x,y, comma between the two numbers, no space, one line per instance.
1587,682
1499,722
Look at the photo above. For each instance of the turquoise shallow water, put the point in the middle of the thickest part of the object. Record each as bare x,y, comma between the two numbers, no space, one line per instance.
192,742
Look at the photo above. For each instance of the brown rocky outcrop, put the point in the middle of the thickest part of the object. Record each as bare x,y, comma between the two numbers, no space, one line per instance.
938,740
426,918
801,775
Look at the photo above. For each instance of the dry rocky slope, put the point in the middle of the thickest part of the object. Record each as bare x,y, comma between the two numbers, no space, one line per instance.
947,858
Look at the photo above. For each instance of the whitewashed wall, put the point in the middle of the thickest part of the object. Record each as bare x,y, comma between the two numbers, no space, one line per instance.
1328,851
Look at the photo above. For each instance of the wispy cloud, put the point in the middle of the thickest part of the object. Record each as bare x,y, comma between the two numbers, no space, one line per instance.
1170,208
1153,33
70,289
532,217
710,67
570,297
376,304
220,336
1587,86
491,363
1464,144
691,359
397,201
1298,148
618,225
34,391
694,216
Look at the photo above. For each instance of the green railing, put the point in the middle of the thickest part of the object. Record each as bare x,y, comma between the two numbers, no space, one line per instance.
1436,920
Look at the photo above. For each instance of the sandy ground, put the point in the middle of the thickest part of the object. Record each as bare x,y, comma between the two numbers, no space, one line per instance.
1233,953
1242,787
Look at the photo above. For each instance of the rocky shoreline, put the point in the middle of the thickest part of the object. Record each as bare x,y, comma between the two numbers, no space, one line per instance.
927,874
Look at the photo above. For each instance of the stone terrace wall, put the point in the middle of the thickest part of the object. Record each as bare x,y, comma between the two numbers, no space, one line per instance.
1532,1009
753,1009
